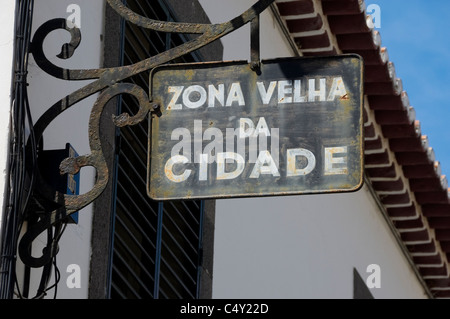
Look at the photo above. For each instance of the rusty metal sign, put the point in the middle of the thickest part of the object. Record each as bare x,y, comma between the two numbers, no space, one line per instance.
293,126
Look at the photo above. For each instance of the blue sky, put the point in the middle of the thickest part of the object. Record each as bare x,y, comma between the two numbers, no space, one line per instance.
416,34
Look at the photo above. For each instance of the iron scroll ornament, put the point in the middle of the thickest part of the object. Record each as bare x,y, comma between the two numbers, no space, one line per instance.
58,206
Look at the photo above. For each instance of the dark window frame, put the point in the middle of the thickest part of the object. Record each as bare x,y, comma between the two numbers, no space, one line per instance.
103,221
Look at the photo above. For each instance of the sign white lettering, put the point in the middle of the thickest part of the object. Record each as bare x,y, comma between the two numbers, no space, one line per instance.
288,91
264,163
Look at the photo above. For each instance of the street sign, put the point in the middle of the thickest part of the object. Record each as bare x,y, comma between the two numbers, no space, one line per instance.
225,130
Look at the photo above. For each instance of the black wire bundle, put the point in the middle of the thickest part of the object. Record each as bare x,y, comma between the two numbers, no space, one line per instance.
22,171
20,182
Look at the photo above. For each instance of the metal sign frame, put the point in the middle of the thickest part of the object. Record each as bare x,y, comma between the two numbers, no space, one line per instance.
293,126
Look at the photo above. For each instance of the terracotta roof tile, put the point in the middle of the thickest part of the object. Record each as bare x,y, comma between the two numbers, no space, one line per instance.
426,248
409,211
295,7
433,272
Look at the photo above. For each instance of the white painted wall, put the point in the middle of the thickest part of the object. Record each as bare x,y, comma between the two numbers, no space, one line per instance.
7,16
299,246
71,126
306,247
237,44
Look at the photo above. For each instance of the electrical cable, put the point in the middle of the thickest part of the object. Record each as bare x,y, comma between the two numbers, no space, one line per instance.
22,168
17,183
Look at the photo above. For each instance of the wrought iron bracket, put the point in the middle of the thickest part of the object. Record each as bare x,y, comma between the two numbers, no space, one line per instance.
255,63
56,206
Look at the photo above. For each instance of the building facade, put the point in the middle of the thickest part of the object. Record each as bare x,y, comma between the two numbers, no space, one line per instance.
388,239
